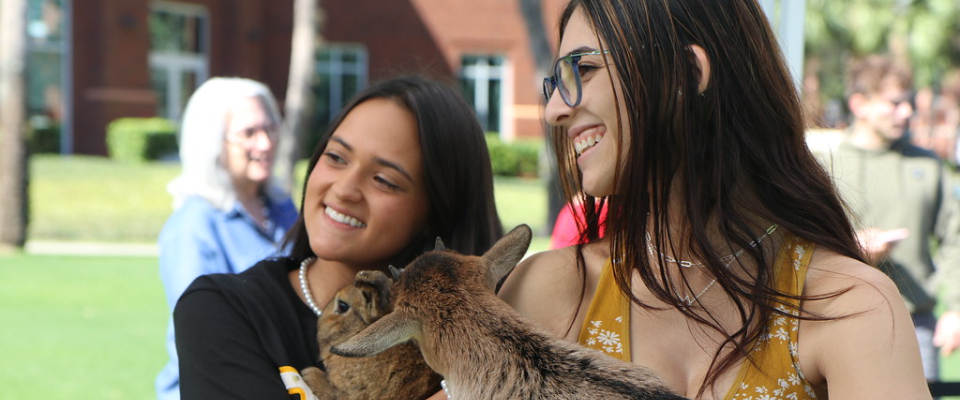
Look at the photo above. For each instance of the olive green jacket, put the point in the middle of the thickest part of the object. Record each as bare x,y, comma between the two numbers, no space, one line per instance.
906,186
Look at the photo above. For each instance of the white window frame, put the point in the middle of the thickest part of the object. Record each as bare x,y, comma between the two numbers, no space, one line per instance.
480,77
333,70
176,63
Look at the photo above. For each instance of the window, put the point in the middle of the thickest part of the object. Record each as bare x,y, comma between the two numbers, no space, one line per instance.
47,67
481,79
179,37
341,73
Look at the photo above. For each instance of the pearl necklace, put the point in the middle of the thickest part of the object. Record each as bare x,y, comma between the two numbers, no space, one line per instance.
305,287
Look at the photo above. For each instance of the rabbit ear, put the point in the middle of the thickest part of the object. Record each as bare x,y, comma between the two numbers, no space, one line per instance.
506,253
394,272
392,329
375,287
438,245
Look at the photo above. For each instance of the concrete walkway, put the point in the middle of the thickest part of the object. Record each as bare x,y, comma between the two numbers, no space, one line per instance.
91,248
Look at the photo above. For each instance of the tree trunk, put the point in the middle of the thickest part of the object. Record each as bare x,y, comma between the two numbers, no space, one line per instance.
298,105
532,12
13,160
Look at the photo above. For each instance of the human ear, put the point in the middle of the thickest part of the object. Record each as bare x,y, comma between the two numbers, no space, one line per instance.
703,64
856,102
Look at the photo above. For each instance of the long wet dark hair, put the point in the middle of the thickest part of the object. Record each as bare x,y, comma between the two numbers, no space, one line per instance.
456,168
734,155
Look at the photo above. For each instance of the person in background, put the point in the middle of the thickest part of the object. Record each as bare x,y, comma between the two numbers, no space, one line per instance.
228,213
900,195
936,119
570,224
728,264
404,163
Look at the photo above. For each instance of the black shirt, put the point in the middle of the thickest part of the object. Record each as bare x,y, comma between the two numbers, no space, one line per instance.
235,332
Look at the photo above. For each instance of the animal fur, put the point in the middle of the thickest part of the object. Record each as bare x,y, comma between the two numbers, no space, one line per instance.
398,373
484,349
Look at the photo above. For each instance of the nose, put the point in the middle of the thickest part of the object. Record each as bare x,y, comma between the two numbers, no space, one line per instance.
347,186
556,111
264,139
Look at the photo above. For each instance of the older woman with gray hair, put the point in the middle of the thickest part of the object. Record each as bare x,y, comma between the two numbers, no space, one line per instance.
228,213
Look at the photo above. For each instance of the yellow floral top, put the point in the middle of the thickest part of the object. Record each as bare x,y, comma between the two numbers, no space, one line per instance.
776,375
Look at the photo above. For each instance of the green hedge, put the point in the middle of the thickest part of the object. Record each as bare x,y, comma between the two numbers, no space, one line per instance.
141,139
43,136
519,158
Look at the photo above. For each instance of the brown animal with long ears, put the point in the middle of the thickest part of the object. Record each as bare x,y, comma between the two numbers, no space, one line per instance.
397,373
445,302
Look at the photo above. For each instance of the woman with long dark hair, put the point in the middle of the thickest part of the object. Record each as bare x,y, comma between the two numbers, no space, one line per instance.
727,264
404,163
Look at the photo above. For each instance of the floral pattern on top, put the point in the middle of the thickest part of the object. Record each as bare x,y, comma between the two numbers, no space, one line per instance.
601,339
607,324
606,328
778,375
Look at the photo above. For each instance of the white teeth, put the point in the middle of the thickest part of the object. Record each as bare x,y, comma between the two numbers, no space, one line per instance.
344,219
586,143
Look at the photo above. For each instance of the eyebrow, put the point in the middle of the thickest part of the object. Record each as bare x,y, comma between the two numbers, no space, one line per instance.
578,50
378,160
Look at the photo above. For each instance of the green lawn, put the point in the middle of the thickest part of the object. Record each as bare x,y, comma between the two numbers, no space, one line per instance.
95,199
82,198
80,327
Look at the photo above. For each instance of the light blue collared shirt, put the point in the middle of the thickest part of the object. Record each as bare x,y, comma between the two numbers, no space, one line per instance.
199,239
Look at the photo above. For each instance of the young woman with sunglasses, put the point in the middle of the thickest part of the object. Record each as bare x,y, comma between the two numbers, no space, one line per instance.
727,263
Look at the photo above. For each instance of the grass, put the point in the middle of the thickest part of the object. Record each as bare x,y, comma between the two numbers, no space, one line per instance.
81,198
80,327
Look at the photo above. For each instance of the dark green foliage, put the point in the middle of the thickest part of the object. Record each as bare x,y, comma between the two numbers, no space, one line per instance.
519,158
141,139
43,138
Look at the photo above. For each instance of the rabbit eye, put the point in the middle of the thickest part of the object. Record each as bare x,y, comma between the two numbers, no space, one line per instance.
342,307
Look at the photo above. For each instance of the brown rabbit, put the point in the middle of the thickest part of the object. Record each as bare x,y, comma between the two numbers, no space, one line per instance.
398,373
485,350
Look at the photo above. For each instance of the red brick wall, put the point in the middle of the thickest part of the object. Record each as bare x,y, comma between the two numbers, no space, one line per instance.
431,36
111,44
110,74
251,38
396,39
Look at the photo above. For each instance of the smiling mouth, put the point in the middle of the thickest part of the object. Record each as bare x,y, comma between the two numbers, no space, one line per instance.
586,141
344,219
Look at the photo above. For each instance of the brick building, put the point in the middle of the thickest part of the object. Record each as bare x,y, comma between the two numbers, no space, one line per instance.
97,60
